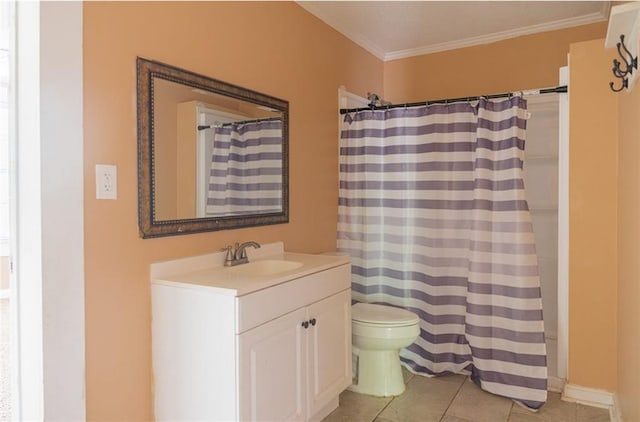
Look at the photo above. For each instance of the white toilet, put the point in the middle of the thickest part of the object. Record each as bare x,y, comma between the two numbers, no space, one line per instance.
378,333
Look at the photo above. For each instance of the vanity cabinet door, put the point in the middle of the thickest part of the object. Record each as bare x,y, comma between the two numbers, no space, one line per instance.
329,344
272,372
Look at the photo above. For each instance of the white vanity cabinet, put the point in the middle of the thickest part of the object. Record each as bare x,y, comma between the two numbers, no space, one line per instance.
252,353
294,366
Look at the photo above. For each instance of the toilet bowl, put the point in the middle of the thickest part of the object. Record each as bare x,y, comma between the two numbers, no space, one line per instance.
378,333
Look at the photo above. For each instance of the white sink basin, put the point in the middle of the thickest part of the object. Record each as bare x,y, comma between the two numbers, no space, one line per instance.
265,267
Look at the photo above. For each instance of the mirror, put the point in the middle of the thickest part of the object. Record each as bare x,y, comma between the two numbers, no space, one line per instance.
211,155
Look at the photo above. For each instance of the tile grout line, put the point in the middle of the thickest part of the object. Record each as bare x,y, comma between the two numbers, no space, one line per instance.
393,398
382,410
510,410
453,399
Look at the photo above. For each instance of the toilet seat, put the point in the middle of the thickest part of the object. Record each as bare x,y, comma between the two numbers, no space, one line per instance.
382,315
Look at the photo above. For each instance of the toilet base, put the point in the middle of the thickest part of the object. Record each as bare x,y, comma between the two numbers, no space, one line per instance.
379,373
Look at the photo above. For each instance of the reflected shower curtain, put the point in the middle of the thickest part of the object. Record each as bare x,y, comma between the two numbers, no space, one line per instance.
433,213
246,169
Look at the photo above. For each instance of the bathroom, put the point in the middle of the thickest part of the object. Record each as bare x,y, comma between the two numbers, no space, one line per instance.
303,60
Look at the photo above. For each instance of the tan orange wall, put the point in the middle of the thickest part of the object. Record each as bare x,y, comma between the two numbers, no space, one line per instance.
186,159
526,62
593,247
274,48
165,151
628,254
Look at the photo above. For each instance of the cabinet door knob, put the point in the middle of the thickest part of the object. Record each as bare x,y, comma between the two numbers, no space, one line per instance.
312,321
305,324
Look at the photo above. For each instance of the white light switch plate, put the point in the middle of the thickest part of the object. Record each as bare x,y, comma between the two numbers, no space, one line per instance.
106,181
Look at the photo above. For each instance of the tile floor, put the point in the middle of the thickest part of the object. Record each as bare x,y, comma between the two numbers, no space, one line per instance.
454,398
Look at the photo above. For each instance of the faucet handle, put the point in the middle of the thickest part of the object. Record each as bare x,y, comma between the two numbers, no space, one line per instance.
229,256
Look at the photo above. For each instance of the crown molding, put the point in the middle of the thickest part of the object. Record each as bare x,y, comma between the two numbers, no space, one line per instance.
355,37
373,48
497,36
365,43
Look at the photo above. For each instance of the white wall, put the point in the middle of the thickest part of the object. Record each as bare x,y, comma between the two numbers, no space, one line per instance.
50,232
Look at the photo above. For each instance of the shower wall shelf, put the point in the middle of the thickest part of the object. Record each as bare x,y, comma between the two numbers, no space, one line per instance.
623,34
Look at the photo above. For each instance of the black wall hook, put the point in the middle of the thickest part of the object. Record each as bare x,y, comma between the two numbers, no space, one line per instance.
621,70
625,84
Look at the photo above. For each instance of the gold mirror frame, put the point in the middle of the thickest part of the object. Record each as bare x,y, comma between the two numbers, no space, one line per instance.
149,227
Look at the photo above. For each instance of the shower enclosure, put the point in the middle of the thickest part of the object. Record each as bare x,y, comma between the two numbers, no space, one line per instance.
545,177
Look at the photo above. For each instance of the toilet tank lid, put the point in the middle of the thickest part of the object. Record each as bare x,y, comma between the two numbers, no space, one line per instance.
381,314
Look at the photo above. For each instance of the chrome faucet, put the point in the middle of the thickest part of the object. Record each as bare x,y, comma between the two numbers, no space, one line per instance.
238,255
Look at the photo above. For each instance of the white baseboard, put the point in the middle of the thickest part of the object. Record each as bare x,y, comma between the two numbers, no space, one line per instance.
588,396
614,411
593,397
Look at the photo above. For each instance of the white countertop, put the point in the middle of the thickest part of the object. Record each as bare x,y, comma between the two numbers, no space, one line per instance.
189,272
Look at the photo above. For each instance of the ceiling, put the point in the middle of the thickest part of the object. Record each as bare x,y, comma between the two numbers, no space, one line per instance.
398,29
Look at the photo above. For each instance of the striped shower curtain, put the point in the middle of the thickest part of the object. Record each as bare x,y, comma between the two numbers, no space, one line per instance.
246,169
433,213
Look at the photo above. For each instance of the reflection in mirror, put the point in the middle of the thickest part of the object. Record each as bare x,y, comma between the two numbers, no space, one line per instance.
214,156
211,155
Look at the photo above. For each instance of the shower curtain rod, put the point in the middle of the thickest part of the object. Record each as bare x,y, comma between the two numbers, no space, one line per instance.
265,119
558,89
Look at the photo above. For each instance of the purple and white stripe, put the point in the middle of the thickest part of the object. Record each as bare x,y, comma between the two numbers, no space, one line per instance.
246,169
433,213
